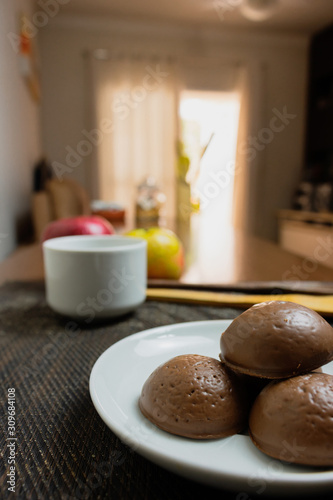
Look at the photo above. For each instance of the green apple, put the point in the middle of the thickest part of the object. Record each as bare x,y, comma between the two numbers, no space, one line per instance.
165,252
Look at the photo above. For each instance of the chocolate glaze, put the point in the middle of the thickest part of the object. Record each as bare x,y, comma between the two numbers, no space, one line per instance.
292,420
277,340
195,396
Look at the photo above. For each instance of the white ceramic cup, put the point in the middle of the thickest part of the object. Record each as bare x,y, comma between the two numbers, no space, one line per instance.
95,277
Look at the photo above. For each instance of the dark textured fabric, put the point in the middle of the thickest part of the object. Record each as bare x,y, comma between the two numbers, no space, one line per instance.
63,448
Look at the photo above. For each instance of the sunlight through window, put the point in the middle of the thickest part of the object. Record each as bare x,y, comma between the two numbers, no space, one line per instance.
209,134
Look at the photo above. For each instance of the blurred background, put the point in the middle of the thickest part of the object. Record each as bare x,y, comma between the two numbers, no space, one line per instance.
218,108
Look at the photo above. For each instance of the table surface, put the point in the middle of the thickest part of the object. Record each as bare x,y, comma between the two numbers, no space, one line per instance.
63,450
212,257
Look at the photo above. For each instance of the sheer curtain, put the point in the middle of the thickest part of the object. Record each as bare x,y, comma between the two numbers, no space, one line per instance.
134,109
249,165
135,113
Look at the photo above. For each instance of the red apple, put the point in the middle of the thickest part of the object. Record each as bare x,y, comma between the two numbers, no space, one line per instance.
70,226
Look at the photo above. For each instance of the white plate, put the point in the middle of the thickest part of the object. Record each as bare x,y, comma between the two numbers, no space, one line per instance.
231,463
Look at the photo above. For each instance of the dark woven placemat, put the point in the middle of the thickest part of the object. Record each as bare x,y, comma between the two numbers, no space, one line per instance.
63,449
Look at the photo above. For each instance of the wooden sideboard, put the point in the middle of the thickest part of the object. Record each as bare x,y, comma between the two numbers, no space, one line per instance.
307,234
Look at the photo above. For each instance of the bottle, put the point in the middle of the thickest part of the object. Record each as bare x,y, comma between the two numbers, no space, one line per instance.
149,201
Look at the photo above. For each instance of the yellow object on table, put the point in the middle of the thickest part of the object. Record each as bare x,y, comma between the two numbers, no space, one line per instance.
323,304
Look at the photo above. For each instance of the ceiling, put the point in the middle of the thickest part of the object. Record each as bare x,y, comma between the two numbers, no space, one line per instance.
302,16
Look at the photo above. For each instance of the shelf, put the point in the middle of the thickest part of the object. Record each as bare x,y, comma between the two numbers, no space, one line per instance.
325,218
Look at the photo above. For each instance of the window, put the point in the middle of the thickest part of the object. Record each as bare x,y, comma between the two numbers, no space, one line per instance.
209,135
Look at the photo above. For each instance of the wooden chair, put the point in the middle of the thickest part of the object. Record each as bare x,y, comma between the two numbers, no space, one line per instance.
59,199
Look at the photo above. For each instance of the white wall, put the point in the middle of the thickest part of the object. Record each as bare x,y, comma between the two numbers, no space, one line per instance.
283,57
19,131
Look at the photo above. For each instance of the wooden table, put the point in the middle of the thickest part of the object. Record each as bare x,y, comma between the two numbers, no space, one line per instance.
64,449
225,257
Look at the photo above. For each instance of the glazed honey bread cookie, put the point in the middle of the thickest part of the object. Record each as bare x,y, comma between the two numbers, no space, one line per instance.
277,340
195,396
292,420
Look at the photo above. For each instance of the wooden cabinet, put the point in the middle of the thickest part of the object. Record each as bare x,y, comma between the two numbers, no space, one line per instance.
307,234
310,233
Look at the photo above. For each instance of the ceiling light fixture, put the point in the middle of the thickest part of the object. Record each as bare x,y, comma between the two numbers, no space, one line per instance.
258,10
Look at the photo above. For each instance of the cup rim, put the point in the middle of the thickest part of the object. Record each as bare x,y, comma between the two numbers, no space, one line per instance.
71,243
